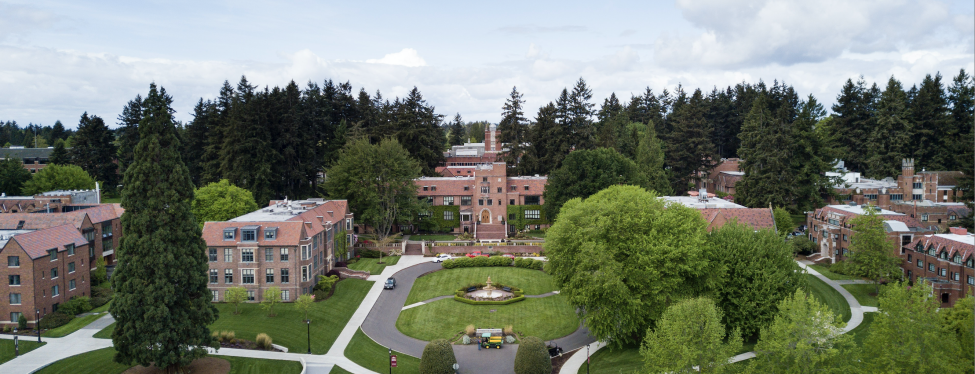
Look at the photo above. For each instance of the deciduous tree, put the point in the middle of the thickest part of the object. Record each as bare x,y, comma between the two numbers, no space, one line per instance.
650,159
272,296
235,295
221,201
303,303
586,172
689,338
58,177
13,176
871,254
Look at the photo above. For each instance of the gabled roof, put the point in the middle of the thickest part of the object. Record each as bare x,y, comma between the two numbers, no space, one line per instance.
39,221
288,233
103,212
37,243
756,218
963,245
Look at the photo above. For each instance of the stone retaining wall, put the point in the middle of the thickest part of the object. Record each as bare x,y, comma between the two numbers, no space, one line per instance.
349,273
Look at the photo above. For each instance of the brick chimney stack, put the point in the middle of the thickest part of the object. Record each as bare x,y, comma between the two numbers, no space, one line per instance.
907,167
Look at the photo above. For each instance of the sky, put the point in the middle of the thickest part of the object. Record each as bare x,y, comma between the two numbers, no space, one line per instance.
59,59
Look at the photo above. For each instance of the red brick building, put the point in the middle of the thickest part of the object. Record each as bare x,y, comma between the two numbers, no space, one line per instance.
285,245
943,260
829,227
717,212
41,269
34,159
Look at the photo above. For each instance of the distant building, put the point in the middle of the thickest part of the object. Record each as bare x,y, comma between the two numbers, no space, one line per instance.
717,212
34,159
829,227
724,177
946,261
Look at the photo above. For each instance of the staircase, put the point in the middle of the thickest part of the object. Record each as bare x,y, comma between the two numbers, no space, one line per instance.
490,232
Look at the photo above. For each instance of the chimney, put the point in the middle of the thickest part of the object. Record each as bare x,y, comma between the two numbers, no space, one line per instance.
958,230
907,167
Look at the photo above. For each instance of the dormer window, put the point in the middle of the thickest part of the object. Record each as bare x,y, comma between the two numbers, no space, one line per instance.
53,253
248,234
228,234
270,233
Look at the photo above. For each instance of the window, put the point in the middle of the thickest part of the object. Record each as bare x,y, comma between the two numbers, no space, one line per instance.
13,261
483,179
909,259
957,276
228,276
213,254
304,273
54,254
15,299
532,200
448,200
14,316
433,188
484,189
213,276
465,217
467,188
426,188
499,190
920,264
480,201
247,255
871,196
228,255
916,197
971,280
55,291
71,268
249,235
533,214
951,217
924,217
54,273
896,197
250,295
917,185
285,295
956,259
284,254
944,272
514,188
269,276
448,215
465,200
305,253
214,295
228,234
268,254
270,234
70,249
247,276
511,201
844,237
490,202
13,280
285,276
91,250
71,285
430,200
930,266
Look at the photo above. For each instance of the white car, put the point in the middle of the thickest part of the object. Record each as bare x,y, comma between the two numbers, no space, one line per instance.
441,257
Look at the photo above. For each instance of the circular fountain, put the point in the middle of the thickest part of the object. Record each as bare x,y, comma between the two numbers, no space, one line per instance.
489,292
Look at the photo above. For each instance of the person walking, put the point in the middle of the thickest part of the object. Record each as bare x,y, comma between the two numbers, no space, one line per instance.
478,344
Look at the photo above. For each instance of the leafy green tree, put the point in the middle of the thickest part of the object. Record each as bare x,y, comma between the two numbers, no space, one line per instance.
438,358
100,272
872,255
650,159
93,149
622,256
513,130
58,177
458,134
377,180
783,221
13,176
272,296
532,357
235,295
162,305
757,271
60,156
303,303
586,172
221,201
689,338
959,320
909,335
805,338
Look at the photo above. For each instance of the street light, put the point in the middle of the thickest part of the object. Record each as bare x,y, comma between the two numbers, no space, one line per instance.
390,360
308,322
37,323
587,358
456,367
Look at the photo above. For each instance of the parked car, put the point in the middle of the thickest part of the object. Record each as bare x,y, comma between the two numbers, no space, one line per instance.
509,255
441,257
477,254
390,284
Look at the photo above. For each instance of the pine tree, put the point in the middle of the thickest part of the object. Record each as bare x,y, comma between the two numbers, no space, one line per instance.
961,96
457,132
93,149
853,122
57,132
417,127
650,159
294,149
162,305
930,117
514,131
59,156
690,153
210,162
247,158
768,178
580,112
811,158
890,140
547,141
128,131
12,175
196,137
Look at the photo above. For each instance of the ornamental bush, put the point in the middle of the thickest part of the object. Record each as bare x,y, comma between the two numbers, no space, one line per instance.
467,262
532,357
438,358
56,319
75,306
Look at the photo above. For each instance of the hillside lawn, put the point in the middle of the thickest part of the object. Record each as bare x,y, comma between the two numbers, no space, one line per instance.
370,355
373,266
100,362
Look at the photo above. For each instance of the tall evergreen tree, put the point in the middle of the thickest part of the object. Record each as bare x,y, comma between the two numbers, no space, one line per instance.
93,149
650,158
295,150
57,132
247,158
128,131
929,114
961,96
549,146
59,156
210,161
458,134
514,131
12,175
196,139
162,306
889,142
580,112
853,122
690,153
768,178
418,130
811,158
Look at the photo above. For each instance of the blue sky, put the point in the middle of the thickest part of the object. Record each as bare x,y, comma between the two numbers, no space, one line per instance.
61,58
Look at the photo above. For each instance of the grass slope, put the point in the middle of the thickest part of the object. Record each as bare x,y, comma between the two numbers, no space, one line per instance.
370,355
829,296
106,333
625,360
445,282
100,362
547,318
373,266
288,327
861,331
862,292
77,323
7,347
831,275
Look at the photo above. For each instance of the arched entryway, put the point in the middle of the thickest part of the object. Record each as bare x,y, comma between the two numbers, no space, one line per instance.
485,216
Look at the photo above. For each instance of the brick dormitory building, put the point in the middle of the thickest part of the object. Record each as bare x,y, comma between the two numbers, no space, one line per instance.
286,245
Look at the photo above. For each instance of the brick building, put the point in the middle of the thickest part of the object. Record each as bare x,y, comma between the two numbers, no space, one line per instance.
100,225
41,269
34,159
829,227
717,212
724,176
943,260
285,245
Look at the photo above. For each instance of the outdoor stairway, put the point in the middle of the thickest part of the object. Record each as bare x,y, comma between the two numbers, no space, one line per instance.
490,232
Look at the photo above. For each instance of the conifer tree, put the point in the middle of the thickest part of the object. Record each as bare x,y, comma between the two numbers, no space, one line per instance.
548,145
580,112
162,305
853,117
12,175
929,114
889,141
59,156
768,178
961,96
128,131
811,158
417,127
246,158
196,137
689,152
57,132
650,159
514,130
458,135
93,149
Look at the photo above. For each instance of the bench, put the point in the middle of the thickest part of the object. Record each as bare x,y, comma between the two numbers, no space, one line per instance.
506,289
472,289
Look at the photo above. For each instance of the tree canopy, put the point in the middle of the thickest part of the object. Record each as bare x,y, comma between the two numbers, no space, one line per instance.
689,338
586,172
58,177
221,201
12,176
872,255
93,149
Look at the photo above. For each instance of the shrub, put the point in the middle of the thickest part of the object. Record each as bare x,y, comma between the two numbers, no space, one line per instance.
326,283
75,306
99,301
841,267
532,357
438,358
509,330
6,329
802,245
469,330
466,340
56,319
22,322
368,253
227,337
264,342
529,263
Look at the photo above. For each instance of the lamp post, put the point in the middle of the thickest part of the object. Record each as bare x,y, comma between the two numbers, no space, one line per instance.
37,323
587,358
308,322
456,367
390,360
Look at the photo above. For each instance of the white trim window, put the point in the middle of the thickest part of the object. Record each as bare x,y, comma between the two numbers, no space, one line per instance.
247,276
285,295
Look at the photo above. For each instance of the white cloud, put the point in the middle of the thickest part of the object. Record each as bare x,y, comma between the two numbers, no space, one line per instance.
406,57
19,20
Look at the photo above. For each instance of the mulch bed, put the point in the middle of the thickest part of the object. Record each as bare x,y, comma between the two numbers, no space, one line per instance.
557,362
206,365
244,344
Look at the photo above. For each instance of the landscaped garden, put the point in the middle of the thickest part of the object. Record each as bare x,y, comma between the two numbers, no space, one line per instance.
446,282
7,347
866,294
100,362
77,323
547,318
372,265
370,355
829,296
288,328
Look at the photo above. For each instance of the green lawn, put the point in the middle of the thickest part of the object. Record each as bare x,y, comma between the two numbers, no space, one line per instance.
537,233
288,327
106,333
75,325
798,219
445,282
100,362
831,275
547,318
111,200
370,355
26,345
433,237
860,333
862,292
338,370
625,360
829,296
373,266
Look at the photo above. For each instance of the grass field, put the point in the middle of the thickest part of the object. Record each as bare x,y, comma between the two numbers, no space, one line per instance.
111,200
831,275
373,266
433,237
537,233
547,318
370,355
77,323
100,362
339,370
445,282
288,327
26,345
625,360
798,219
862,292
860,333
829,296
105,333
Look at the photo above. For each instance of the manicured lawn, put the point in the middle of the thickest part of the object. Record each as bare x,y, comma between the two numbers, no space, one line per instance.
26,345
625,360
798,219
100,362
373,266
547,318
860,333
106,333
862,292
366,352
288,327
433,237
339,370
831,275
75,325
829,296
537,233
445,282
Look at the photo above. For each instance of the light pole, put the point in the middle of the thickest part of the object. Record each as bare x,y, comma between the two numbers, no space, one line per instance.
587,358
390,360
37,323
308,322
456,367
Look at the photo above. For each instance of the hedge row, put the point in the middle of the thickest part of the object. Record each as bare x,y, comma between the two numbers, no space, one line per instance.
529,263
532,357
476,262
475,302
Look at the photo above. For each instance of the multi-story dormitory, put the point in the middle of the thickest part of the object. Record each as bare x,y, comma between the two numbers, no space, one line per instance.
946,261
286,245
